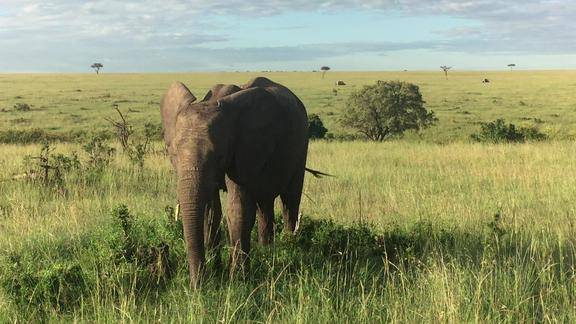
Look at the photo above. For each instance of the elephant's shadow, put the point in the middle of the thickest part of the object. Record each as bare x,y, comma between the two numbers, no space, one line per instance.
361,252
325,251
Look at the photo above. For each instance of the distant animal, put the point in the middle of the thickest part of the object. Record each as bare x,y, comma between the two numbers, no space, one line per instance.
485,81
250,140
340,83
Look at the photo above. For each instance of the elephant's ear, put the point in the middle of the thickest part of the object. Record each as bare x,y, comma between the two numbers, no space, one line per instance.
176,98
208,95
259,125
219,91
213,92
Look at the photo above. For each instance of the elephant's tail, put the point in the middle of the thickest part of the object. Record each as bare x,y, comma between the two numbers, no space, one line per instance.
318,174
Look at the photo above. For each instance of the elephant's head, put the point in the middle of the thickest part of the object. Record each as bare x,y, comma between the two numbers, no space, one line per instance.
200,137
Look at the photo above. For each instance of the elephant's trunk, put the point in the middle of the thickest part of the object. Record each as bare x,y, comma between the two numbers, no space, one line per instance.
194,198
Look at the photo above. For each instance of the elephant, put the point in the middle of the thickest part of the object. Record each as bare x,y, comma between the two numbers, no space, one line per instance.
251,141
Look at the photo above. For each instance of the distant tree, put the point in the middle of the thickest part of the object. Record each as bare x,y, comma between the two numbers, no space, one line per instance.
324,69
316,127
511,66
97,67
446,69
386,109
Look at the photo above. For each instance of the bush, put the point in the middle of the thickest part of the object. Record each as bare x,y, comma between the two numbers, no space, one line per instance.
154,131
145,245
37,135
316,127
27,136
126,256
533,134
57,284
50,168
342,137
500,132
387,109
137,147
99,153
22,107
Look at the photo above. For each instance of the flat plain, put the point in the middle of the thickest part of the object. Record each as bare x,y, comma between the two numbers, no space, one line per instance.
65,102
472,232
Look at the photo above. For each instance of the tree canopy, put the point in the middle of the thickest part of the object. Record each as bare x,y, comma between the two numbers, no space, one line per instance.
97,67
386,109
324,69
446,68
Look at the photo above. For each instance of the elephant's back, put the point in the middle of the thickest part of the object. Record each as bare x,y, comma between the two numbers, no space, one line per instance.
289,159
285,97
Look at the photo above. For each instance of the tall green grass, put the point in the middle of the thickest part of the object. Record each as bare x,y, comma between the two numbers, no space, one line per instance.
456,233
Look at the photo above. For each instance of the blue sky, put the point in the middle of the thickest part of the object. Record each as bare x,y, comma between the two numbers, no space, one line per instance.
230,35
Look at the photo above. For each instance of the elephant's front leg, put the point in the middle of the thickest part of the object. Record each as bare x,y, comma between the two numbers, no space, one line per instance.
241,216
212,232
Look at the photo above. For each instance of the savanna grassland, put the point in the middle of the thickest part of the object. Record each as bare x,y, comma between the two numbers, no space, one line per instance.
61,103
427,228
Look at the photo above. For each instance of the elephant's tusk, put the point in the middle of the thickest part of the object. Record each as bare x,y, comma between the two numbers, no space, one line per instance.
176,212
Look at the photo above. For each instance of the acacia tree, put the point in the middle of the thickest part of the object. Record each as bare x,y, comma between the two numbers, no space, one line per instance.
446,69
324,69
386,109
511,66
97,67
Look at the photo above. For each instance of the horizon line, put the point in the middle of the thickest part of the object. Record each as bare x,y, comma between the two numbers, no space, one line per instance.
294,71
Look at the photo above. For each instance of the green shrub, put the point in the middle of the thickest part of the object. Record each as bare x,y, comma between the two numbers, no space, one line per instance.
533,134
50,168
22,107
135,147
154,131
36,135
316,127
343,137
127,255
500,132
150,248
59,284
387,109
100,154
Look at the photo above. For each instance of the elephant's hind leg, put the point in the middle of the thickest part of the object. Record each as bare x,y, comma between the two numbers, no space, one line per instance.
241,215
212,232
291,203
266,222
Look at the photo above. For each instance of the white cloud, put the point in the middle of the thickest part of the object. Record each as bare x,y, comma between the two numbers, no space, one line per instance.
538,26
33,29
